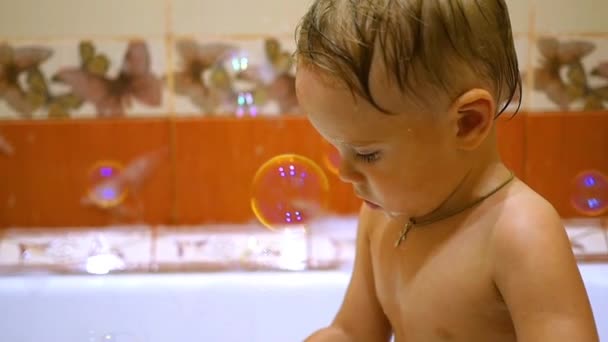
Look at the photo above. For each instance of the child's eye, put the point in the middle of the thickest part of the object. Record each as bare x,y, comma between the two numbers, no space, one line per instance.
368,157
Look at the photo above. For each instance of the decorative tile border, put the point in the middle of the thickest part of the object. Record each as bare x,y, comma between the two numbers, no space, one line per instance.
184,76
570,74
81,79
241,76
86,251
132,78
231,77
589,239
215,248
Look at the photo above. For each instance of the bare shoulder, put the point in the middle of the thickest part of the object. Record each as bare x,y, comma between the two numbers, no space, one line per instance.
535,271
529,232
528,221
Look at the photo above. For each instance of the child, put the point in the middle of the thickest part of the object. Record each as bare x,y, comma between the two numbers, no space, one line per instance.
450,246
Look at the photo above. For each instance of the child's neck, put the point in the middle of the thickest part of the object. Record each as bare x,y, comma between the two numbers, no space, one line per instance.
485,173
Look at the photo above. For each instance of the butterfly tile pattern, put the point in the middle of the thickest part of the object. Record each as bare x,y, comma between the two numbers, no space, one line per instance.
83,79
17,63
242,77
88,79
200,58
570,74
234,78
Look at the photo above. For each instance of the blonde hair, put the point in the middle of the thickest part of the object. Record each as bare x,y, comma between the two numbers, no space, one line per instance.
445,45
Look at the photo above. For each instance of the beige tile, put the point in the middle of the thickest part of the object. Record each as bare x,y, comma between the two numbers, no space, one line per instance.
237,16
571,16
71,249
65,54
519,12
541,101
34,18
272,16
279,250
587,236
251,51
522,48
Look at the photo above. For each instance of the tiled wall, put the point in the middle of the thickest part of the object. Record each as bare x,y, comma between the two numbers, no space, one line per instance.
187,62
193,51
68,49
580,61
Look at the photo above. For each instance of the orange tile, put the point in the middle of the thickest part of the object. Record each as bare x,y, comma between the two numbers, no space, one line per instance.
215,160
559,146
43,182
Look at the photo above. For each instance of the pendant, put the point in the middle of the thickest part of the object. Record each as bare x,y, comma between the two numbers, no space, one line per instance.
404,232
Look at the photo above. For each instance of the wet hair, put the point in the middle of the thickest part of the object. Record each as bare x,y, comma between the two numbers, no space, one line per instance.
442,46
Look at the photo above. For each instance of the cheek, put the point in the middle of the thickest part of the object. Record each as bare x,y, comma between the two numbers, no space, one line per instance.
389,183
431,153
411,172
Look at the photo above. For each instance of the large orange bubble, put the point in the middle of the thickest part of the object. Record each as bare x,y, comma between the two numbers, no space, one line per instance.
289,190
331,157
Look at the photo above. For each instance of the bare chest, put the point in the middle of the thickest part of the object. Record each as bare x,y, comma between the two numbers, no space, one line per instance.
437,285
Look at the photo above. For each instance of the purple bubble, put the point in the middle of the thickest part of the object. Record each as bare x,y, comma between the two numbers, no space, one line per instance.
106,171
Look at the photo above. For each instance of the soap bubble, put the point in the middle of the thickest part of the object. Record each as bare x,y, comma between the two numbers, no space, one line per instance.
589,193
289,190
246,104
104,188
331,157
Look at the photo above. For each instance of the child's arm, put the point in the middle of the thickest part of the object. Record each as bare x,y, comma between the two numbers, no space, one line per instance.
537,275
360,317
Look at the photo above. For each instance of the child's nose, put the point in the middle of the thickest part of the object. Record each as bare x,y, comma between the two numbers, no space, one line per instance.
348,173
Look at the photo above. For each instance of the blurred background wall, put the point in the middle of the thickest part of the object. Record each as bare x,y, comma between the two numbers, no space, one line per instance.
192,96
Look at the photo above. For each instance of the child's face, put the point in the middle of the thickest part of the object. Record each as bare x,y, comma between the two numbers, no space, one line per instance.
403,164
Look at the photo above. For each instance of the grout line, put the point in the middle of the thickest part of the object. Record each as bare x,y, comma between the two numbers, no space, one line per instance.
242,36
101,38
169,43
170,76
529,85
589,34
174,210
126,38
532,38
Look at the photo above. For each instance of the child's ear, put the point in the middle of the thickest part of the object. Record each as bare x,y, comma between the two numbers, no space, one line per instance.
473,117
